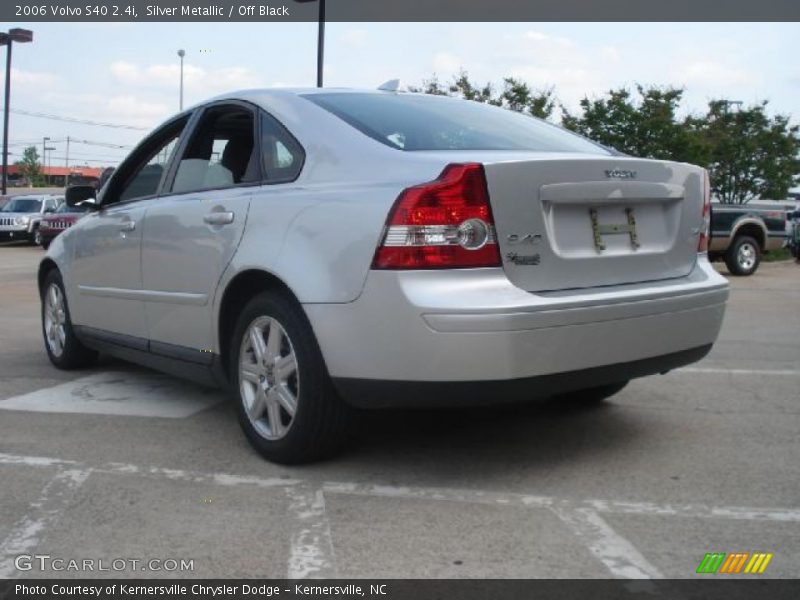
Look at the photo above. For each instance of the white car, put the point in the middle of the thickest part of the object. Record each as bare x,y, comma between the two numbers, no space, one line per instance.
316,250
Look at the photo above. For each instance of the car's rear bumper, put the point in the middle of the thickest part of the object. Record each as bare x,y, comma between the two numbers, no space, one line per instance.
475,326
374,393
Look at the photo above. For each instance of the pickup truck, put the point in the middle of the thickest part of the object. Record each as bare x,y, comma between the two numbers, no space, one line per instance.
742,233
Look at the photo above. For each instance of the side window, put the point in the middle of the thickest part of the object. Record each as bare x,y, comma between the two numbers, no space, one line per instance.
139,175
220,153
49,205
283,156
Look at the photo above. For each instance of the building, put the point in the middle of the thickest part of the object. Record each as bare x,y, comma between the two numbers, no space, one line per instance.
58,176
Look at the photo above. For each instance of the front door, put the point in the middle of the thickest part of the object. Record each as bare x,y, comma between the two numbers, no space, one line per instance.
106,272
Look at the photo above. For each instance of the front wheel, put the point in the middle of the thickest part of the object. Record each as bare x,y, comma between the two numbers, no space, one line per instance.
743,256
286,402
63,348
37,237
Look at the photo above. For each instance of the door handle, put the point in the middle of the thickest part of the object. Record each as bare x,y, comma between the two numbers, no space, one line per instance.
128,226
219,218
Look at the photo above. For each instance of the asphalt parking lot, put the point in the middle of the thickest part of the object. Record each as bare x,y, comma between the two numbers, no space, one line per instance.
120,462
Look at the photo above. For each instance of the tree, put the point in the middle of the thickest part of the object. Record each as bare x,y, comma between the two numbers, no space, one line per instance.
644,126
29,166
748,153
516,94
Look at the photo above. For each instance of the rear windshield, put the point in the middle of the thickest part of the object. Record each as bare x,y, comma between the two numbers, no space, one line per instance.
418,122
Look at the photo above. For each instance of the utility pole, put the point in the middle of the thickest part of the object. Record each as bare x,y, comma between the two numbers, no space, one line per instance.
66,159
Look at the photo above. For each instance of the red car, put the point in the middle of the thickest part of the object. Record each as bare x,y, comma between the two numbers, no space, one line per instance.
51,225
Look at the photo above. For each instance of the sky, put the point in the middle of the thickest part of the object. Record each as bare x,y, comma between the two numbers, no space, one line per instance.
128,73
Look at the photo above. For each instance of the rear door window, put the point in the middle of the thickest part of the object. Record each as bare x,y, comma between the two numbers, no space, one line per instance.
221,152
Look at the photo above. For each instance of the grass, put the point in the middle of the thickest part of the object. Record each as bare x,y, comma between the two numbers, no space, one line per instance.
777,255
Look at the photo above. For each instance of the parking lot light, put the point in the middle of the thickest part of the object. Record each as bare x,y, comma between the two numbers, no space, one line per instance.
181,54
21,36
320,38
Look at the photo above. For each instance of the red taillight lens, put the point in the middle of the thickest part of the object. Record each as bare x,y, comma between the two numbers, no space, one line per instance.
443,224
705,227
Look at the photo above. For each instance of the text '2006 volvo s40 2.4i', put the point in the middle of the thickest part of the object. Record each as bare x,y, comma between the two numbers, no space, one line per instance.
316,250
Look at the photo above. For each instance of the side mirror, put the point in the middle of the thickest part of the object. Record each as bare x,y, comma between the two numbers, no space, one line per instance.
76,194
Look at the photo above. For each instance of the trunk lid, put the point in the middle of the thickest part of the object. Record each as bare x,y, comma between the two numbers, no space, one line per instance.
571,223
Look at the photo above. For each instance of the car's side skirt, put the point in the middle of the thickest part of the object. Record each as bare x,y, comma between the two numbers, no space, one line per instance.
201,367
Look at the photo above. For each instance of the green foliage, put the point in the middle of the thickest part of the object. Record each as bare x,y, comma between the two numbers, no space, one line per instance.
748,153
515,95
645,125
29,166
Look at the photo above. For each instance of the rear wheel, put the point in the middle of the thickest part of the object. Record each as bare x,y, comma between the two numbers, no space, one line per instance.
743,256
287,405
594,395
64,350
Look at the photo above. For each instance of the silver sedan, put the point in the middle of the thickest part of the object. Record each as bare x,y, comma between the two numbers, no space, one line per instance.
319,250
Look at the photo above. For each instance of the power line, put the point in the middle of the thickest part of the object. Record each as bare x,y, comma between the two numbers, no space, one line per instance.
76,120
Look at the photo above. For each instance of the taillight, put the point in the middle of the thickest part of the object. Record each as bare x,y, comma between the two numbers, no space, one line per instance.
705,227
443,224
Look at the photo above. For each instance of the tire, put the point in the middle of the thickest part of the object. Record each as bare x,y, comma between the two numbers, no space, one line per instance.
319,426
45,244
743,256
36,238
63,348
594,395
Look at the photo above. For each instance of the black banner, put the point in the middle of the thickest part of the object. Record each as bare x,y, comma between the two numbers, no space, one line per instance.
389,11
711,588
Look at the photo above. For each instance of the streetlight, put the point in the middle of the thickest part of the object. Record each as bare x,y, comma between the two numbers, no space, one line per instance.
320,38
49,164
21,36
44,156
181,53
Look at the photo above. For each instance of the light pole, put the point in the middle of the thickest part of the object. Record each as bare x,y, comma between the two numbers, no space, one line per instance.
49,163
44,156
320,38
181,53
20,36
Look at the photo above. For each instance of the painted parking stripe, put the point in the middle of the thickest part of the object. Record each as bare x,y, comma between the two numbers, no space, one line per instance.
136,394
311,548
723,371
26,534
619,556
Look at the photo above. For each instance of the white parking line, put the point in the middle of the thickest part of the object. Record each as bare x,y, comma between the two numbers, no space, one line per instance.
697,510
136,394
26,533
311,555
723,371
619,556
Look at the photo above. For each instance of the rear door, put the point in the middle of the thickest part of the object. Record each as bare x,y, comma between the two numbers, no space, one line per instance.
575,223
193,229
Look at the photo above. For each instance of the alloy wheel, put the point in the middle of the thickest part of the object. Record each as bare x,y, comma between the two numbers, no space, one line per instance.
55,316
269,380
